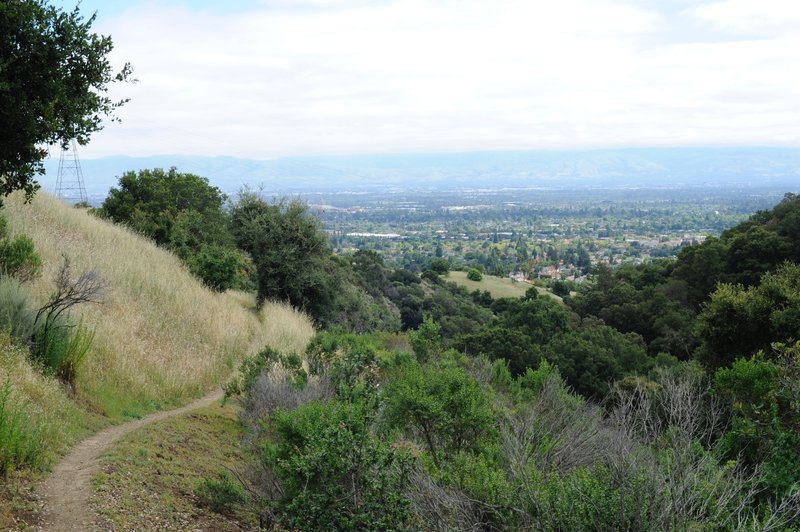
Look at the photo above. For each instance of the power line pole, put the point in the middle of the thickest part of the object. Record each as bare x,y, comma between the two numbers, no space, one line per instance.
69,183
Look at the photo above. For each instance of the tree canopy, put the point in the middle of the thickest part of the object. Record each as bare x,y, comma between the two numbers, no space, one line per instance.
54,79
290,251
185,214
167,205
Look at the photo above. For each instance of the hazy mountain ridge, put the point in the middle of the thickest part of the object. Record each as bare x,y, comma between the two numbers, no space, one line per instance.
591,168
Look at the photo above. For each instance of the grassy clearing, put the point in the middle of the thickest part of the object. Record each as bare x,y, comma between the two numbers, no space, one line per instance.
497,286
161,337
149,478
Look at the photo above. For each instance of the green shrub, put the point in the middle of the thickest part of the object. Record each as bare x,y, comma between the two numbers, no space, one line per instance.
474,275
221,494
440,266
560,288
426,341
448,409
249,370
20,436
15,316
220,268
19,259
61,348
334,473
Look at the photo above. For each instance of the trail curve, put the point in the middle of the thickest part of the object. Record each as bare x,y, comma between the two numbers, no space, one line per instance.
65,493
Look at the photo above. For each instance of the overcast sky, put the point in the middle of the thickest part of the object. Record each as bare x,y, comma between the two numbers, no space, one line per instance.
263,79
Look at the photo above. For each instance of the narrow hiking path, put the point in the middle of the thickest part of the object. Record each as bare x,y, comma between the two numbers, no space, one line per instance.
66,492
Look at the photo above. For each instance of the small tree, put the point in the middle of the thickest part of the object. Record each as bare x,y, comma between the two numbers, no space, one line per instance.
54,78
474,275
54,343
440,266
445,407
426,341
290,251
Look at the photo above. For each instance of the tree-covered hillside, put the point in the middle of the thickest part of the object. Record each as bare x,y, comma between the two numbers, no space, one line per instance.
647,401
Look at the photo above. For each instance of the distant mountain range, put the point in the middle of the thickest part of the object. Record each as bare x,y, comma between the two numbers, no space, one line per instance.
634,167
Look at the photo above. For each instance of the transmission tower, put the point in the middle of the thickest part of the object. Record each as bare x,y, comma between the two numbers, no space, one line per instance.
69,183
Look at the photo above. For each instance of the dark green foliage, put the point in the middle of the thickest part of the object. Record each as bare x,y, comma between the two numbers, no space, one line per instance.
335,474
404,277
445,407
439,266
560,288
739,321
20,436
474,275
483,299
368,266
183,213
290,252
701,268
199,223
596,355
18,258
743,253
641,300
538,317
450,306
660,301
221,268
169,207
503,343
54,78
765,425
221,494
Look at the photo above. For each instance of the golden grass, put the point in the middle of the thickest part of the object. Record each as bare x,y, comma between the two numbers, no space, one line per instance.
161,336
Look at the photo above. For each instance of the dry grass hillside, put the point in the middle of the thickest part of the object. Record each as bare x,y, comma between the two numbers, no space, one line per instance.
161,337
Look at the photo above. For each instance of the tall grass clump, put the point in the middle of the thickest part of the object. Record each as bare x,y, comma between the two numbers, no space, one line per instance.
49,419
20,436
160,336
16,317
62,348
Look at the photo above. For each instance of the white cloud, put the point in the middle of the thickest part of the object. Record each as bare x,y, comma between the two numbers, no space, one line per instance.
764,17
425,75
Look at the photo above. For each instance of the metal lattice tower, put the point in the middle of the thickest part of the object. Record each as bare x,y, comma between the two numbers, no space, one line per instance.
69,183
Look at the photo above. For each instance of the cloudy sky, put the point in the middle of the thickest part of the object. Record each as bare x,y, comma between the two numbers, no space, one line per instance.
271,78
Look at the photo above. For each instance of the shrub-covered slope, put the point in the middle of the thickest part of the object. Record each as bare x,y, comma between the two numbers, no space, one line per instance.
160,335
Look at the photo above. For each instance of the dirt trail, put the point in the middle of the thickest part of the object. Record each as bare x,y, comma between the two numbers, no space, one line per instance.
67,490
